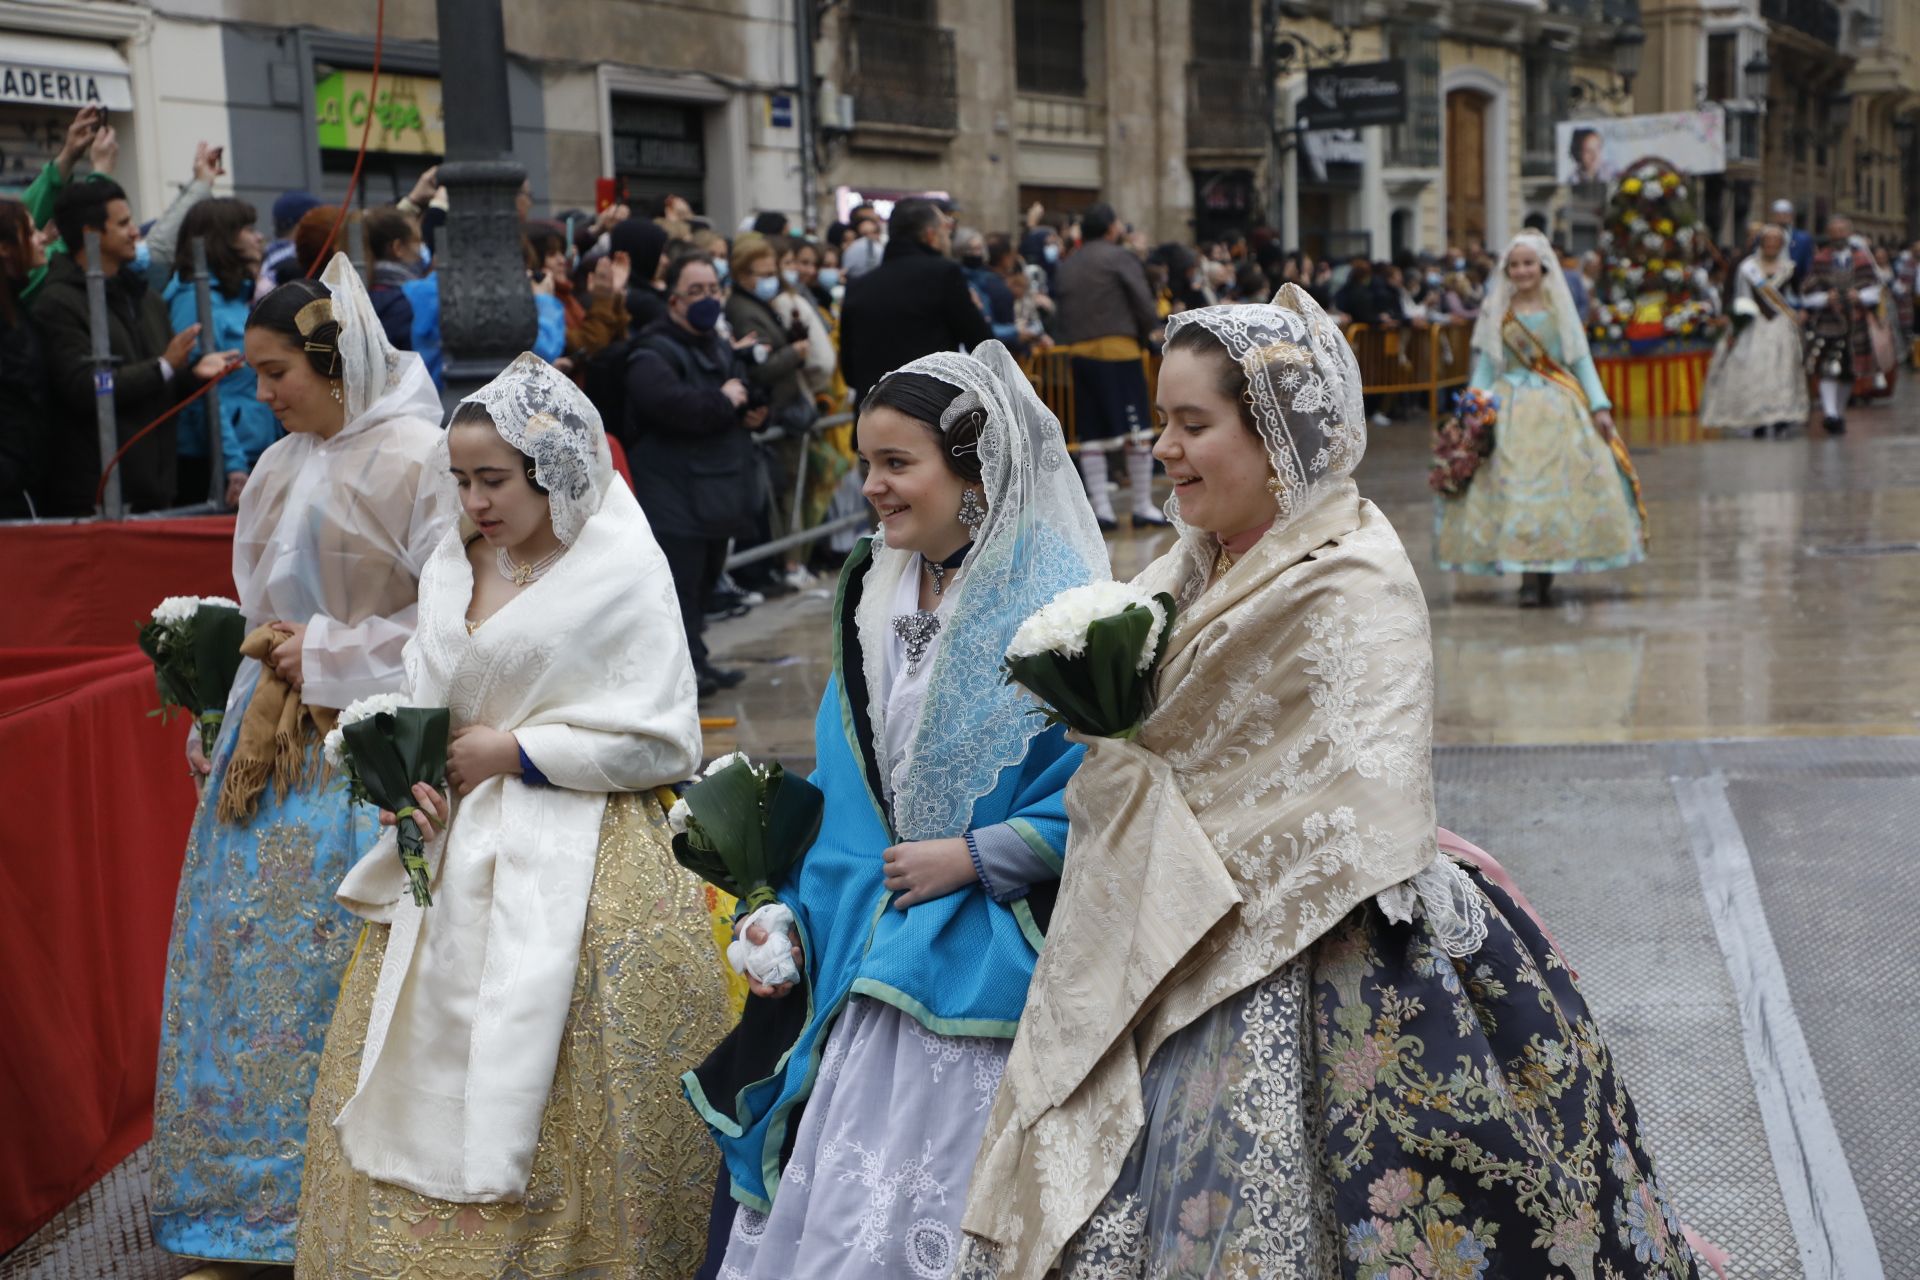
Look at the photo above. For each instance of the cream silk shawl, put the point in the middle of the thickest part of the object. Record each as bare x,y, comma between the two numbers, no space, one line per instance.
1283,778
588,668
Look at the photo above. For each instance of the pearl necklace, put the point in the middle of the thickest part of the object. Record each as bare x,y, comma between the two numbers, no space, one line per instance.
521,575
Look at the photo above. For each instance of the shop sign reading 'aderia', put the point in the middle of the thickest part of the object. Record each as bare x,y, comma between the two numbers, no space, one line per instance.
405,111
63,87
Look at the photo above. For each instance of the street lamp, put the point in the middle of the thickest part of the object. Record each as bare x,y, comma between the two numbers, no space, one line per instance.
1294,52
1759,77
1629,42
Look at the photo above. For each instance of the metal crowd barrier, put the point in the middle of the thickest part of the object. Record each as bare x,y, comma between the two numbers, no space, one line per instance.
796,535
1432,359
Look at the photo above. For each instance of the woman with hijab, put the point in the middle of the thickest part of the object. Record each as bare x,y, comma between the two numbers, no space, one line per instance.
1275,1031
1757,379
1558,494
500,1092
333,529
849,1110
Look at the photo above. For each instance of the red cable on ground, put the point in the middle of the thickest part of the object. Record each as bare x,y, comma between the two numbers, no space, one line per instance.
346,203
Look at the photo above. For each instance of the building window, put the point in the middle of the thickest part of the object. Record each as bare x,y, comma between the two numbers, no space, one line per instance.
1226,100
659,149
1050,54
1549,73
1723,67
1416,144
902,66
1222,31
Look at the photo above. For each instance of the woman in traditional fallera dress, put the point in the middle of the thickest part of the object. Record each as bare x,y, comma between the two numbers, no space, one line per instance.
920,905
1757,379
499,1095
1558,494
1275,1032
333,527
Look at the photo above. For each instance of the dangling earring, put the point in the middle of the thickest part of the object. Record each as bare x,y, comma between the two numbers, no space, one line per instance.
335,390
973,511
1274,486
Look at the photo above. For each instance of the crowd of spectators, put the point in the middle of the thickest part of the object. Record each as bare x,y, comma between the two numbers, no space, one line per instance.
711,356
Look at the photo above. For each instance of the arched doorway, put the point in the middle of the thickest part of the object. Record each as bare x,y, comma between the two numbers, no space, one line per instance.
1468,180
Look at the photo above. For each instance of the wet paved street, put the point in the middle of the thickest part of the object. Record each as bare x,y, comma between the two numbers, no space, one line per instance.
1705,771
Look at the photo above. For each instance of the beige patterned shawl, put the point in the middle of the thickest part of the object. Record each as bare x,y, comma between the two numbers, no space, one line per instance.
1283,778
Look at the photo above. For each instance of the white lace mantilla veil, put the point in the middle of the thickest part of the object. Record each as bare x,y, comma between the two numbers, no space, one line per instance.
337,529
1303,386
1039,539
539,411
1499,301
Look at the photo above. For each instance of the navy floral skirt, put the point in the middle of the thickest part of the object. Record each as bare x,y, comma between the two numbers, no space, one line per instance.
1381,1110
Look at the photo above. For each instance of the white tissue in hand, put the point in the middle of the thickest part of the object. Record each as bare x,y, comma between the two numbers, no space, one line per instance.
770,963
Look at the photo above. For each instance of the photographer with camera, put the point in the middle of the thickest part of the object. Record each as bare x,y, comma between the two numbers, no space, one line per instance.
690,415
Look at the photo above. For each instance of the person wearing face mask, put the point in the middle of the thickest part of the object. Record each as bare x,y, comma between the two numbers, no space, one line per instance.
690,414
980,258
778,354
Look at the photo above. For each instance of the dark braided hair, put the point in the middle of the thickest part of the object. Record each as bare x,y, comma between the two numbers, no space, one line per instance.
279,312
925,399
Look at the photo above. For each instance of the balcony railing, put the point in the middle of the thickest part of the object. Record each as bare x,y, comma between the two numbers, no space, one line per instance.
1226,110
1817,18
903,74
1053,116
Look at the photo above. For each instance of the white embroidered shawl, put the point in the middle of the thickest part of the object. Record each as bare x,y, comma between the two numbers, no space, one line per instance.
588,668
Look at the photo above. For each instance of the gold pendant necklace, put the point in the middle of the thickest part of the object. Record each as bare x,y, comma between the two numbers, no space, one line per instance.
1222,563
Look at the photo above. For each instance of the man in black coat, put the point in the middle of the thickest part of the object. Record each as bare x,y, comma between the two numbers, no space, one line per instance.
688,433
154,367
914,303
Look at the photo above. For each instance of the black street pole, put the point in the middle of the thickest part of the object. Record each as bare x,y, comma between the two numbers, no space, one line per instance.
487,314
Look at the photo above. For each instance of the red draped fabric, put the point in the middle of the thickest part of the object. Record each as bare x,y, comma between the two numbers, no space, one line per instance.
94,809
91,584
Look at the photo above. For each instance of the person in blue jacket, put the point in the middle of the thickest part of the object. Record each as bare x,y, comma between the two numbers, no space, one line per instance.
848,1107
234,253
549,342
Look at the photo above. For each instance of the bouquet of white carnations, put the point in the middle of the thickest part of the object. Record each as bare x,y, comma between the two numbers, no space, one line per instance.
1089,656
194,642
743,827
383,749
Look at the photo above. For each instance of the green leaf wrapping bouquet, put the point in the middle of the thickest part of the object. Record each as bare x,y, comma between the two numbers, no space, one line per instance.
743,827
383,748
194,642
1089,656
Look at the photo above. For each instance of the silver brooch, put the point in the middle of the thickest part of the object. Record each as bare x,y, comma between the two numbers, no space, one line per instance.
916,631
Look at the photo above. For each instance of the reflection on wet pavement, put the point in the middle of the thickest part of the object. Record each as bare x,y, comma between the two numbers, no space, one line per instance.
1777,600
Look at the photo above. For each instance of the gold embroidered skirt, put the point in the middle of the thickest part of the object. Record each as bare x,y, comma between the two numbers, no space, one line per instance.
624,1172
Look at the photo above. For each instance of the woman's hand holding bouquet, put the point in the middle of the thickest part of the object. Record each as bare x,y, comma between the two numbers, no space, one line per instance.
743,828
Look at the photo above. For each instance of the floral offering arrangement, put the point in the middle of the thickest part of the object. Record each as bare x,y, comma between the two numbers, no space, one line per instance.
1462,441
194,642
1649,238
383,748
742,828
1089,657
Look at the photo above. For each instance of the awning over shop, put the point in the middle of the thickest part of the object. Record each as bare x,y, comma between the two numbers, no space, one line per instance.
69,74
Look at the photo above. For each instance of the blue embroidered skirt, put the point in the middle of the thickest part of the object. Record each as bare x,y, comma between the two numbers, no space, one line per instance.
253,972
